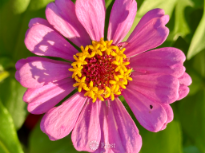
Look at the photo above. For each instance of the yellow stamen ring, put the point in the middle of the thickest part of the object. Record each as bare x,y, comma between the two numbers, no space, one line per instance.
101,70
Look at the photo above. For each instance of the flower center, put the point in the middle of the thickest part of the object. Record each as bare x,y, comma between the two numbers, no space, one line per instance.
101,70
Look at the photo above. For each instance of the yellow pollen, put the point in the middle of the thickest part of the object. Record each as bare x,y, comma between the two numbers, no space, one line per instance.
80,83
76,71
101,70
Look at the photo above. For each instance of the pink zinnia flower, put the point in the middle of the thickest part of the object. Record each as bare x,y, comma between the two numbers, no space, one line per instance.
149,80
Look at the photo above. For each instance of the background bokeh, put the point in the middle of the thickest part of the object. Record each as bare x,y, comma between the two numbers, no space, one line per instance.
186,134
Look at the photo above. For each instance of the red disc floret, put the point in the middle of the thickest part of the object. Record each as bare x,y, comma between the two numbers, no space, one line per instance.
100,70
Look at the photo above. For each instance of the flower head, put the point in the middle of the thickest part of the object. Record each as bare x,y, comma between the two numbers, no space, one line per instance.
102,70
103,67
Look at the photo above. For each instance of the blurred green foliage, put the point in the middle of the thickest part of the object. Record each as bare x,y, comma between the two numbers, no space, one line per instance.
186,134
12,100
9,142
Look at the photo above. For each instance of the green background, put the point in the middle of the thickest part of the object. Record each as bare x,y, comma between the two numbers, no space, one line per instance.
186,134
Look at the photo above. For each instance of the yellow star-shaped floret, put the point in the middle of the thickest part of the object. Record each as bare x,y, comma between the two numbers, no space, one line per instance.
107,46
79,61
111,92
121,66
117,83
98,94
76,71
119,54
126,76
80,83
95,50
91,90
84,52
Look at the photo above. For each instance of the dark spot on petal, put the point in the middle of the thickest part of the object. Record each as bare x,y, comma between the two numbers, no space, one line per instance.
150,106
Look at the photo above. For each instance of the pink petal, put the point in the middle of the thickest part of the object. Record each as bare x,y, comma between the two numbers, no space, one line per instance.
91,14
160,61
155,13
61,15
170,115
34,72
59,121
36,21
121,19
44,41
153,34
183,91
151,115
159,88
185,79
44,98
119,132
86,134
127,130
104,131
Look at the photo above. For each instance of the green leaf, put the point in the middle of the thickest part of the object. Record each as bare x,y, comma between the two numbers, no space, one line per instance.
166,141
11,15
198,82
139,3
183,19
192,117
9,142
40,143
191,109
197,72
199,64
181,27
16,14
197,43
191,149
11,93
6,63
108,2
3,75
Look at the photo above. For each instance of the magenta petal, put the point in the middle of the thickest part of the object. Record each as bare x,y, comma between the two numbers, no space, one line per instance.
155,13
167,60
151,115
170,115
183,91
87,132
91,14
36,21
104,132
44,98
128,132
44,41
59,121
61,15
153,34
185,79
121,19
159,88
34,72
119,132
